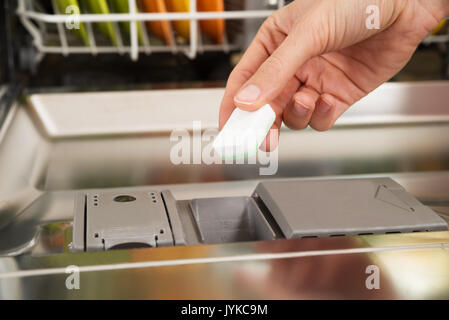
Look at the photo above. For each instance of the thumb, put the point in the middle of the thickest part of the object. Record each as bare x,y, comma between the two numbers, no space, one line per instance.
277,70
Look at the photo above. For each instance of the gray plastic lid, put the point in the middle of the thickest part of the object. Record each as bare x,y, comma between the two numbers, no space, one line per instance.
308,208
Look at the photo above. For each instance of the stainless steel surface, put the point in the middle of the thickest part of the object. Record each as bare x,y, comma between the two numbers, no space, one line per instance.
113,113
57,145
2,90
78,141
410,266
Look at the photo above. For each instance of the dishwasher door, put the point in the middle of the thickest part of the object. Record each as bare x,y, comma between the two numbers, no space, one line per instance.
55,146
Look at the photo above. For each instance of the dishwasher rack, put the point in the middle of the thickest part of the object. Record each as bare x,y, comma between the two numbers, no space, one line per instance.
36,22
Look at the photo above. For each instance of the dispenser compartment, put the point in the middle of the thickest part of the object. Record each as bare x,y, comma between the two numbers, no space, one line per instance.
230,219
119,220
288,208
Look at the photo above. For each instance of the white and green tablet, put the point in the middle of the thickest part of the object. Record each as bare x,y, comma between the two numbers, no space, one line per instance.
244,132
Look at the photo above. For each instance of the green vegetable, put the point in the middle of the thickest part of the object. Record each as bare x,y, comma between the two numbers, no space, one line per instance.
101,7
121,6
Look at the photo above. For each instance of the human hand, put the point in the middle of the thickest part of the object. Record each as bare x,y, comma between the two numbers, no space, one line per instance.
313,59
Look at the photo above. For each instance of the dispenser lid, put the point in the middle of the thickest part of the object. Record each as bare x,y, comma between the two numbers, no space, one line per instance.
338,207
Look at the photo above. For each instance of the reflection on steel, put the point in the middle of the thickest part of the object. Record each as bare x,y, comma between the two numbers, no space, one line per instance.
184,262
411,266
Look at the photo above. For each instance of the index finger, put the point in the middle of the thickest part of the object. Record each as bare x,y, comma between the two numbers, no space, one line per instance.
271,34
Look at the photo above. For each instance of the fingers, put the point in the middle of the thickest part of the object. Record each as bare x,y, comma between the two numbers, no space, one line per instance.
279,105
327,110
282,46
299,111
308,107
274,73
310,36
270,36
267,39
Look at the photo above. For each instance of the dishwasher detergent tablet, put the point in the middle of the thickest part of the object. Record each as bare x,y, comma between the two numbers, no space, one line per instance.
244,132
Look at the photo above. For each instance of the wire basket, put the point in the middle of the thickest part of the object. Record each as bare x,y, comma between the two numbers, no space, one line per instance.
51,34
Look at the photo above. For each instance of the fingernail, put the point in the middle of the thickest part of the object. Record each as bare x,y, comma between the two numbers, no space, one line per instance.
300,109
322,107
248,94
